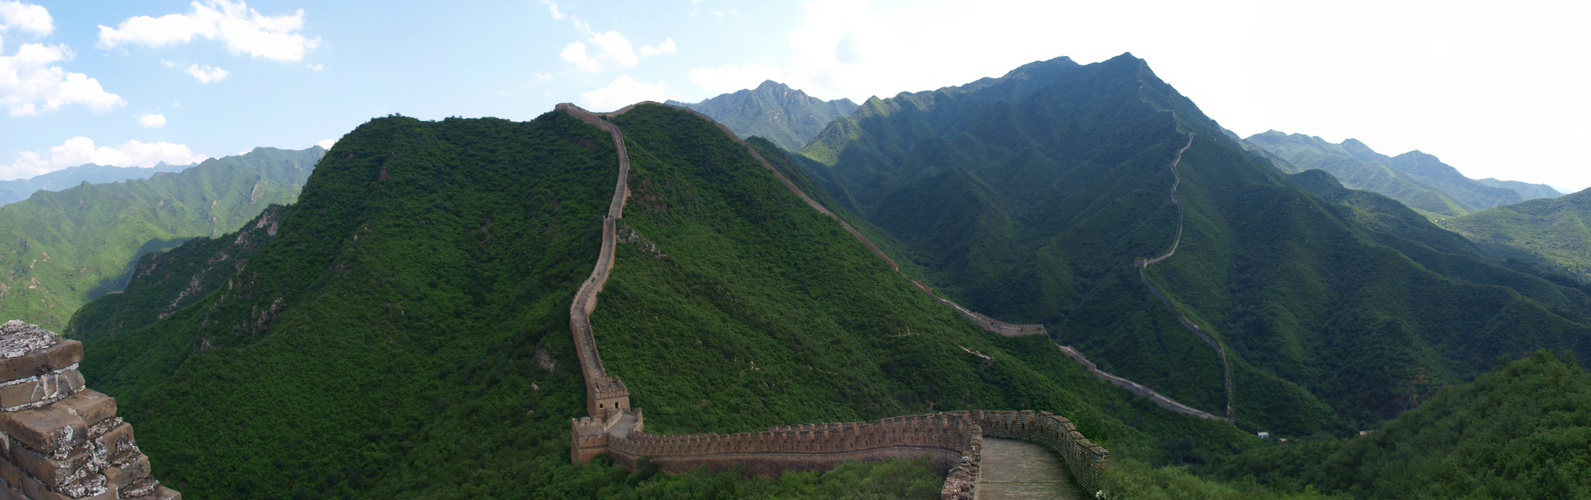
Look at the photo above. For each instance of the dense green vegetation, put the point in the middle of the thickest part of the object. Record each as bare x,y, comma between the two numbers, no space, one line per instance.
1552,234
404,332
1417,179
1028,197
1519,431
13,191
60,249
774,111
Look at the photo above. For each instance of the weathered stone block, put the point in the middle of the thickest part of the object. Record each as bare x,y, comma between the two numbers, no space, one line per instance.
54,473
159,492
49,429
132,470
63,354
47,387
92,487
11,474
118,443
90,405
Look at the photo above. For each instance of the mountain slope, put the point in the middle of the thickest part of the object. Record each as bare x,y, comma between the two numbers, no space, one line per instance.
1551,233
773,110
1028,198
63,248
17,190
406,321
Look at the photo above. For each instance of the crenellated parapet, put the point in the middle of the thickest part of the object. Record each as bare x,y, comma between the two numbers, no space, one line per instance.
1086,460
59,439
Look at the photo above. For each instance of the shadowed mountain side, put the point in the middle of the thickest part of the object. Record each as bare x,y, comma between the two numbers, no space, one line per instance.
1028,197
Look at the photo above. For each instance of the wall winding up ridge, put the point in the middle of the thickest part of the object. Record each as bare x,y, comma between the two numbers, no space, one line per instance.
953,440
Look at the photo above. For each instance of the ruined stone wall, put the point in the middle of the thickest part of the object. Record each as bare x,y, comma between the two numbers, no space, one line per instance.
952,441
1086,460
59,439
603,393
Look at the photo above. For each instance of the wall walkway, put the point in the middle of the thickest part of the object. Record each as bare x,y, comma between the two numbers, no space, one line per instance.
952,440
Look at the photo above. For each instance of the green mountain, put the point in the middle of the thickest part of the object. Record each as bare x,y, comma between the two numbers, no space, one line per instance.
64,248
402,330
20,189
1419,180
1519,431
1030,197
786,116
1551,233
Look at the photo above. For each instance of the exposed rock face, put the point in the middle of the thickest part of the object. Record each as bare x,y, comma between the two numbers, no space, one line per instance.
58,439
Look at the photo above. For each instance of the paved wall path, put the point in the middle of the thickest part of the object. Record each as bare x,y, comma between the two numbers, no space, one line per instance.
1018,469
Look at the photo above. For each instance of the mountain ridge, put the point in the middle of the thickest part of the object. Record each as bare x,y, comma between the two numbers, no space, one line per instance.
772,110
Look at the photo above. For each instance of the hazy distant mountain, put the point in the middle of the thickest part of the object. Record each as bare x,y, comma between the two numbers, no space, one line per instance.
1419,180
60,249
17,190
786,116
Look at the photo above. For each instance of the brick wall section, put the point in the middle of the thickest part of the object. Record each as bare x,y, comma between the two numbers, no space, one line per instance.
58,439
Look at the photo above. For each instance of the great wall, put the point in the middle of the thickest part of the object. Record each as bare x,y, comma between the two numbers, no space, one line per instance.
58,439
953,440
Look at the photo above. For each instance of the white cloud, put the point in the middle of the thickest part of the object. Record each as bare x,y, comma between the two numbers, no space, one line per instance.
207,73
624,91
542,77
30,83
616,52
80,150
730,77
314,67
152,120
553,8
27,17
243,30
326,143
667,47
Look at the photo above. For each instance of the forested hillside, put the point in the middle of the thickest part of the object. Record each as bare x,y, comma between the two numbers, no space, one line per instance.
1553,233
432,297
1029,197
1518,431
60,249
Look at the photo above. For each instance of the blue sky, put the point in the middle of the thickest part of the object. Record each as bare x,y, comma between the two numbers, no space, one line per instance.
1494,92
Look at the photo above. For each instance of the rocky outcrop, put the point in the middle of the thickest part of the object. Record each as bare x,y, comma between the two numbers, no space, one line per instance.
58,439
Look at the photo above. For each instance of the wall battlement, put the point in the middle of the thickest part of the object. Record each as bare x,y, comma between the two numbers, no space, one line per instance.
58,439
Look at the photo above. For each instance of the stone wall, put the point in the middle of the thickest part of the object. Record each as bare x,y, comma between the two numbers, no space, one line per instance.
1086,460
604,393
58,439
